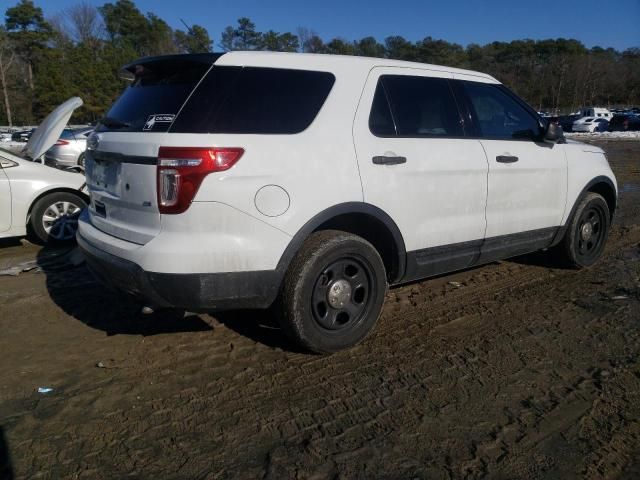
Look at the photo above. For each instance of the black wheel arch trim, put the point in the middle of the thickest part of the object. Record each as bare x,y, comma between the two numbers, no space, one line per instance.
600,179
345,209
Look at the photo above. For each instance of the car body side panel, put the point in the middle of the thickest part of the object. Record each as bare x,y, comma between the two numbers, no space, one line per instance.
5,202
314,169
28,181
584,162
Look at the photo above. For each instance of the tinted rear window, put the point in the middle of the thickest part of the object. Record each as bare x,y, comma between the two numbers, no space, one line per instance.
422,106
154,98
254,100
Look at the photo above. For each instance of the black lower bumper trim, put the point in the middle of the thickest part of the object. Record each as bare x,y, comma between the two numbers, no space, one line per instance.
192,291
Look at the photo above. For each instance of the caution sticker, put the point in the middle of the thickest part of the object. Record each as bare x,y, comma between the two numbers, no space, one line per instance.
158,118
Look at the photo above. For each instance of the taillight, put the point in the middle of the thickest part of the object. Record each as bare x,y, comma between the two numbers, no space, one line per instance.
62,142
182,169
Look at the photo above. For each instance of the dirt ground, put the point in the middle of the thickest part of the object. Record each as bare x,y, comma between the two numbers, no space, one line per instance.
519,370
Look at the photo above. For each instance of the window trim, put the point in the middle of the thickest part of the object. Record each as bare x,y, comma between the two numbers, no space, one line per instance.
380,80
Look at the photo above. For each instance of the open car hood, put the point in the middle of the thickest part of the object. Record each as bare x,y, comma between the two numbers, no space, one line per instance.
47,134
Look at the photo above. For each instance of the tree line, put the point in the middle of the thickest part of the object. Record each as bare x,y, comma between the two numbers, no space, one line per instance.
80,49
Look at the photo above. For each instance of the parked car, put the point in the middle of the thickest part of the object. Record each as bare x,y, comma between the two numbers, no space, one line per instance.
590,124
623,123
36,198
22,135
69,149
566,122
231,180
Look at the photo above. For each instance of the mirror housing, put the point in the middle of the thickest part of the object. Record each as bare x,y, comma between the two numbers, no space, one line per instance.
553,133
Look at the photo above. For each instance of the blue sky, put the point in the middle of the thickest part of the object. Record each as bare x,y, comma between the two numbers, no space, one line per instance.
607,23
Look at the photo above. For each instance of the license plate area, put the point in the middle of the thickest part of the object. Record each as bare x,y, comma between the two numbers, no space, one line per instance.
104,175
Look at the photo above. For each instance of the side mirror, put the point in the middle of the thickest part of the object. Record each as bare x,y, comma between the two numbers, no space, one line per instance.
554,133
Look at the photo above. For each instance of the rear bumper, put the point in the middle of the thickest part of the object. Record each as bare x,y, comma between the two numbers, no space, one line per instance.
189,291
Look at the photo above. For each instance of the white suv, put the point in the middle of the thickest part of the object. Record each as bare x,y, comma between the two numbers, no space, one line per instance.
235,180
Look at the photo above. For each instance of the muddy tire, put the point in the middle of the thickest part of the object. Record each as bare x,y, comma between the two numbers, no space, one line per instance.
587,232
54,218
332,293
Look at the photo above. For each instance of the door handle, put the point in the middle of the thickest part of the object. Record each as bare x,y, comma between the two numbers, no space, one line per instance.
383,160
506,159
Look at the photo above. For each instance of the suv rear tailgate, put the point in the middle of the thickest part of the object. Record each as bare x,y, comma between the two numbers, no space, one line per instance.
121,176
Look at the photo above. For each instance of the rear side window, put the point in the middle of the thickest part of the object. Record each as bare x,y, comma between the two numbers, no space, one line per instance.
380,119
498,114
255,101
154,97
421,106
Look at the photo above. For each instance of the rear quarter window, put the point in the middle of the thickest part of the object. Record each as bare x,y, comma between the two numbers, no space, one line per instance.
254,100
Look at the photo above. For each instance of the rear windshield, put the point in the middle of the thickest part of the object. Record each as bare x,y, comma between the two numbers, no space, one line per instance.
154,98
254,100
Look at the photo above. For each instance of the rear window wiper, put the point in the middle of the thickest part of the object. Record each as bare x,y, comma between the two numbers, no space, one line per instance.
110,122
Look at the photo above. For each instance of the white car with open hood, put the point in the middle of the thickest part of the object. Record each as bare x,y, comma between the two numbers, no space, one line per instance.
36,198
231,180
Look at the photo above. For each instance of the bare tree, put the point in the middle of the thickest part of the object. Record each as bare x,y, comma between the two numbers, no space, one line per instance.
80,23
7,56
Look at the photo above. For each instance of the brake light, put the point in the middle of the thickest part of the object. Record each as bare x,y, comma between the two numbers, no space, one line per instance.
182,169
62,142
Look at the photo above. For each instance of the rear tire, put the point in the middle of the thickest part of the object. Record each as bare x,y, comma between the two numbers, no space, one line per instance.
54,218
587,232
81,160
333,292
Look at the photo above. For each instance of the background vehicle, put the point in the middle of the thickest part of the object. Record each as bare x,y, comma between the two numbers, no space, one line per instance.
22,135
596,112
624,123
566,122
36,198
69,149
230,181
590,124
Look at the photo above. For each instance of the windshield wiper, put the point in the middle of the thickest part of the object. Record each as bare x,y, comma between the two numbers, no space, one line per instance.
110,122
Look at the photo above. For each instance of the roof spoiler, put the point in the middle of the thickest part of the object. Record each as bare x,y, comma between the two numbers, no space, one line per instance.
129,71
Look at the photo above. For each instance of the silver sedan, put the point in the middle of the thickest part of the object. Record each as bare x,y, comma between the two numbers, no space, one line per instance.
69,150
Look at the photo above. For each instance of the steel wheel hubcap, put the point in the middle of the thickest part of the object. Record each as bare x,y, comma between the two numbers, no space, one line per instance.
342,294
586,231
339,294
60,220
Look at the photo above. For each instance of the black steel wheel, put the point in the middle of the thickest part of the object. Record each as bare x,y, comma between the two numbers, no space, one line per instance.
342,293
587,232
333,292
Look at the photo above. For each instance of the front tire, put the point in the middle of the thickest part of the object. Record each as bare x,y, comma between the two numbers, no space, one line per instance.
587,232
333,292
54,218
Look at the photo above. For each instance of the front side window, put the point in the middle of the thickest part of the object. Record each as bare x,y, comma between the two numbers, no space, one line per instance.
420,106
498,115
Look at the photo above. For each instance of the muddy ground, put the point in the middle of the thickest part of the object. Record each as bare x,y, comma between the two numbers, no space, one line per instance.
520,370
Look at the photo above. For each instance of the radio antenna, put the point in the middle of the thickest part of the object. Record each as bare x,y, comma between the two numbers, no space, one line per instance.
190,31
